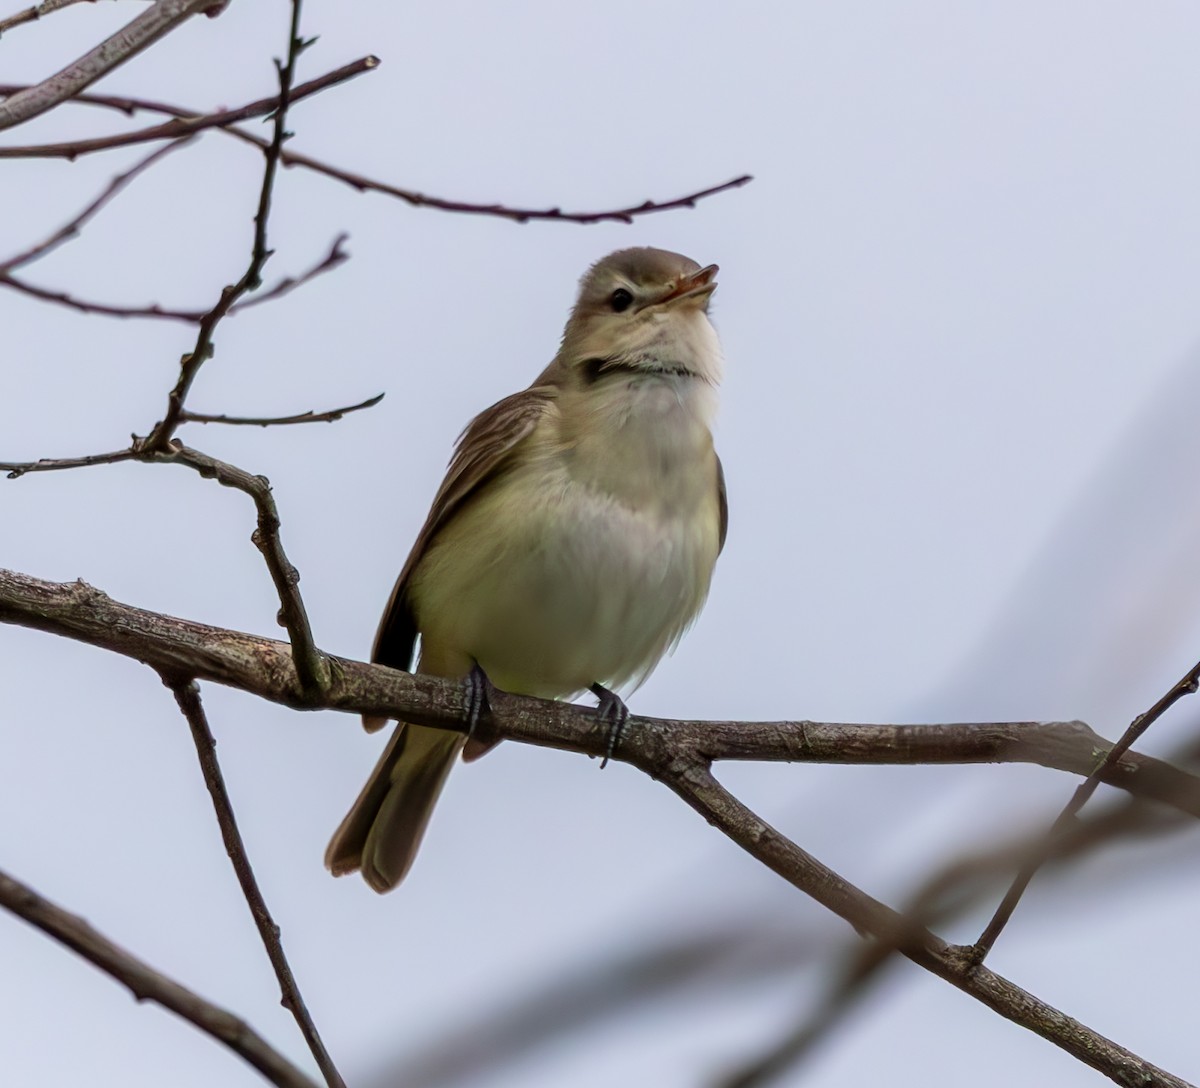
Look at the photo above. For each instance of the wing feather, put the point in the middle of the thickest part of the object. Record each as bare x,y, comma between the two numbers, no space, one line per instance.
483,451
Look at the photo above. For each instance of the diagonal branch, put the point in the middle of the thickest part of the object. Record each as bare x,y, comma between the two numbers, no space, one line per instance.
312,669
335,257
954,888
675,753
358,182
187,695
147,984
32,14
186,122
131,39
71,230
694,784
1187,685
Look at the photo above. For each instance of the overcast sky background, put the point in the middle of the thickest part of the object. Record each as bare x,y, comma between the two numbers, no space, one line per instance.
959,310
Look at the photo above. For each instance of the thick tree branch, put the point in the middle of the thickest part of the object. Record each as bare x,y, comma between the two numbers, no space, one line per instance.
147,984
263,667
677,753
131,39
187,695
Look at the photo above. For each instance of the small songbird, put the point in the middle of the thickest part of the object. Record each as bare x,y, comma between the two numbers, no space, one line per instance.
572,541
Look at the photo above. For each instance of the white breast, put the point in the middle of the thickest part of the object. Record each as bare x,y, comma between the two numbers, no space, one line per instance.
586,564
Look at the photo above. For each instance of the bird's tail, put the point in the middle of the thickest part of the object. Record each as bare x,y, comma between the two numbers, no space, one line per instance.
382,831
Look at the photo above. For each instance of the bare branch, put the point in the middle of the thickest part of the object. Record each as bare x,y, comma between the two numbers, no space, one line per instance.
952,889
71,230
187,695
17,469
518,215
131,39
1186,686
147,984
186,123
38,11
160,436
335,257
331,416
358,181
285,286
695,785
104,309
672,752
311,666
263,667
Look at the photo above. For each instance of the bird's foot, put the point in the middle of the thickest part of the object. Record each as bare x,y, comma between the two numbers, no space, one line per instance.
613,710
477,690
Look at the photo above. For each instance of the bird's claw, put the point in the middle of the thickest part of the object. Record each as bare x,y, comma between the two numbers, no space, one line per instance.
477,689
613,710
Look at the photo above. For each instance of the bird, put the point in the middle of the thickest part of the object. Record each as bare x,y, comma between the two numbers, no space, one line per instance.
572,541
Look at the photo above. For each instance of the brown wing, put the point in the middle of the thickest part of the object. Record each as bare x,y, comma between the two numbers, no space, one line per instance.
723,504
483,451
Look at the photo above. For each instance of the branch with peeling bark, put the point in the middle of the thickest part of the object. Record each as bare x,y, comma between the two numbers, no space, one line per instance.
678,753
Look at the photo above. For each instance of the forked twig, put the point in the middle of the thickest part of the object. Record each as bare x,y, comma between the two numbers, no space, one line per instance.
987,939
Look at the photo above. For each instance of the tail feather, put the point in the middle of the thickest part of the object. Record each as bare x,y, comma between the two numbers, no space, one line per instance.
382,831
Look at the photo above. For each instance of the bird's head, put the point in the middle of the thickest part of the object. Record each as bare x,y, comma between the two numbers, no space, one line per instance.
645,310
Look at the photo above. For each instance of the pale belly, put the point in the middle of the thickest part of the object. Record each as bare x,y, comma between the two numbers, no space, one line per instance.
553,588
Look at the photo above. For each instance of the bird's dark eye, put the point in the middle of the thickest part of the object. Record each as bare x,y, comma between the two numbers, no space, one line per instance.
621,300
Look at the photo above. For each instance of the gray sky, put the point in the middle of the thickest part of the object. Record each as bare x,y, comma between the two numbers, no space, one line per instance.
959,313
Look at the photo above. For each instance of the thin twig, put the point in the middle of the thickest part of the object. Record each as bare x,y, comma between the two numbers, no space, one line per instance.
162,432
187,695
71,230
103,309
38,11
16,469
361,183
131,39
188,123
333,259
987,939
147,984
331,416
154,311
502,211
311,665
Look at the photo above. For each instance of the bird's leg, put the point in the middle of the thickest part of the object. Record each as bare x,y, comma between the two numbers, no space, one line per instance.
477,689
613,710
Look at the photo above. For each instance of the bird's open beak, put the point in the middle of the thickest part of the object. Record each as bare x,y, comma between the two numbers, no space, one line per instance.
699,285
